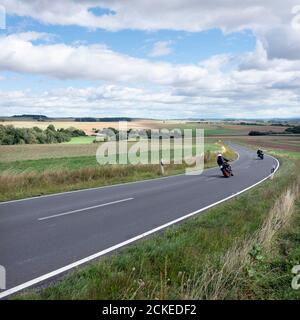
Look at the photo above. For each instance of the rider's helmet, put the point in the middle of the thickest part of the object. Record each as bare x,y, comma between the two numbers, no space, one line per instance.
220,155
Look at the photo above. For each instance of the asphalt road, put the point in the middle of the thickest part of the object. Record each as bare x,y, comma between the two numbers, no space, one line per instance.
42,237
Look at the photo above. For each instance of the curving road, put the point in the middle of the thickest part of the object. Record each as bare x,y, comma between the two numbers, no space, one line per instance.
46,236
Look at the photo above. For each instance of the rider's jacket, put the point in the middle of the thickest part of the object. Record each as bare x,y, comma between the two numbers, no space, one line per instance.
221,160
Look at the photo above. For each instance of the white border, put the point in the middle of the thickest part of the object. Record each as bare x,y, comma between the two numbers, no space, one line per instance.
122,244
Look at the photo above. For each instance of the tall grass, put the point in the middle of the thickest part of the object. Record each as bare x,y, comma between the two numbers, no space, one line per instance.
223,278
13,185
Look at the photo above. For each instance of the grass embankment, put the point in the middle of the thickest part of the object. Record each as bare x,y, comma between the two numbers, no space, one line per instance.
44,176
243,249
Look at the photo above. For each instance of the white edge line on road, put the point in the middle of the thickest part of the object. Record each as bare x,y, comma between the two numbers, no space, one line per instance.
108,186
122,244
84,209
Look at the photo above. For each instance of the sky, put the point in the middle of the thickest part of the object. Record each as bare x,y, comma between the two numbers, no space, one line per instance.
150,59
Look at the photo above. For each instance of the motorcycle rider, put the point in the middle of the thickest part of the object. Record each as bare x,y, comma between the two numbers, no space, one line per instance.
221,160
259,153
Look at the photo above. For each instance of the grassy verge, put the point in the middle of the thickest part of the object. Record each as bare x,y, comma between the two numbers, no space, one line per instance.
38,177
217,255
270,271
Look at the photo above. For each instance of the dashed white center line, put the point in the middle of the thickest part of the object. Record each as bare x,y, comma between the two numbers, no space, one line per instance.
84,209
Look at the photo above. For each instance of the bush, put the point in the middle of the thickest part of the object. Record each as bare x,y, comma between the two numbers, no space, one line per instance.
259,133
295,129
73,132
10,135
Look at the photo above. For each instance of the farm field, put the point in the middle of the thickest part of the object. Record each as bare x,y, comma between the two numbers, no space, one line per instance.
86,126
31,170
26,158
75,149
288,143
211,128
28,170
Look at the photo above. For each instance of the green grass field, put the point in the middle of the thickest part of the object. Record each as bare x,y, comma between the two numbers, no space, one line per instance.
51,164
26,178
81,140
64,162
287,154
45,151
209,130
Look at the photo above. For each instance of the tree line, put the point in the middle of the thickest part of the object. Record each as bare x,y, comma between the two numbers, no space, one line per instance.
291,130
9,135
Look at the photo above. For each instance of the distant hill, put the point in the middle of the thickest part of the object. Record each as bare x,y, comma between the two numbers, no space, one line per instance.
39,117
104,119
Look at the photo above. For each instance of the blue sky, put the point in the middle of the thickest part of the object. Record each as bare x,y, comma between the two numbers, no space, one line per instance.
188,47
114,62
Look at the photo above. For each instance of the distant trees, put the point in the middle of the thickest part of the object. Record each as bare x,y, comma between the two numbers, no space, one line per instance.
73,132
116,119
31,117
260,133
291,130
10,135
242,123
295,129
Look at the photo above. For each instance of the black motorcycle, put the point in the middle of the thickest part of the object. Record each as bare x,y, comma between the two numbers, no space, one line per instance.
260,154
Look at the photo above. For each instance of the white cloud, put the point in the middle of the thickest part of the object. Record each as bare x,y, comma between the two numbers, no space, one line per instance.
257,85
189,15
95,62
115,100
161,48
271,20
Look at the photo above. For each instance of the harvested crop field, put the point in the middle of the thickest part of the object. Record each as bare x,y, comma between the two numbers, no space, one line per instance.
289,143
46,151
41,151
86,126
211,128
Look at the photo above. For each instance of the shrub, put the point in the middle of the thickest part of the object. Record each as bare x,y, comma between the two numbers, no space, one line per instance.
10,135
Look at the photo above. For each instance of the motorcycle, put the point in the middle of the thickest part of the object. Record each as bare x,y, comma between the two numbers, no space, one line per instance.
226,170
261,155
